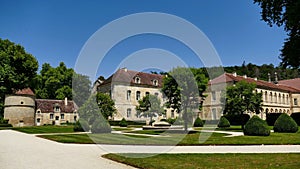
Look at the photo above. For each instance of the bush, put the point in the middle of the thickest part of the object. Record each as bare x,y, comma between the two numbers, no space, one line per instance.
296,117
256,127
171,120
237,119
101,126
272,117
285,124
117,122
223,123
81,125
5,125
198,122
123,123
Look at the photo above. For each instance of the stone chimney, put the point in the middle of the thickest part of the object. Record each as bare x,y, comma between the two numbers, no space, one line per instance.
234,74
269,77
66,101
255,78
245,76
276,78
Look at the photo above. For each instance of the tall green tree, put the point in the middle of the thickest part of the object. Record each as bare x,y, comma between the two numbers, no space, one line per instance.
242,98
106,105
183,91
150,105
17,69
284,12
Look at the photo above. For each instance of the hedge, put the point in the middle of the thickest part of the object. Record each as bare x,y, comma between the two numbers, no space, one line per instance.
285,124
198,122
223,123
123,123
256,127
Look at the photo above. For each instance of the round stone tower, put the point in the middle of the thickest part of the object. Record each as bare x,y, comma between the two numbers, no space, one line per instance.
19,108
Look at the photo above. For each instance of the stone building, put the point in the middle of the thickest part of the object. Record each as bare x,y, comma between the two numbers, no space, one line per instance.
278,97
127,87
22,109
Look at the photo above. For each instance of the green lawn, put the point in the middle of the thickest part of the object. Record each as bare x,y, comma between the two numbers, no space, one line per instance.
45,129
172,139
194,161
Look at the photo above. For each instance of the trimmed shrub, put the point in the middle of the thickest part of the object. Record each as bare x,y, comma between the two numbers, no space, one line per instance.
296,117
285,124
198,122
5,125
272,117
237,119
123,123
223,123
256,127
101,126
81,125
171,120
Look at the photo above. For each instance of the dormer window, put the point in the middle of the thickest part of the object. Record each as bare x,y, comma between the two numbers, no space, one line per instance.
137,80
56,109
155,82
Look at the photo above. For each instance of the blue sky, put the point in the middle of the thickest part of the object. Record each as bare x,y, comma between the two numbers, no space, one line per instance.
55,31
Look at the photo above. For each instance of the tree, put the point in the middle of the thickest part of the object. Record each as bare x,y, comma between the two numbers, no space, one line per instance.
106,105
81,86
241,98
284,12
183,91
150,105
17,69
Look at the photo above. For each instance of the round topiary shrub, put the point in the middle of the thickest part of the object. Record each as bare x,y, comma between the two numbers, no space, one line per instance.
123,123
223,123
198,122
101,126
285,124
256,127
81,125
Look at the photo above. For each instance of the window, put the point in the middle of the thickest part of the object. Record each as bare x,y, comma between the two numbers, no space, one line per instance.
172,113
155,82
147,93
271,97
75,118
62,116
279,98
295,101
128,94
38,120
129,113
137,80
38,111
56,109
214,113
275,98
51,116
138,95
266,96
213,96
22,102
56,117
283,99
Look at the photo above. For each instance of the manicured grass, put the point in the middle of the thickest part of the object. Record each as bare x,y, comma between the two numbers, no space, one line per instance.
192,161
178,139
45,129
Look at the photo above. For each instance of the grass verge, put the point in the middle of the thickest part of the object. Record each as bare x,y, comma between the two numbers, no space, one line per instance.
45,129
192,161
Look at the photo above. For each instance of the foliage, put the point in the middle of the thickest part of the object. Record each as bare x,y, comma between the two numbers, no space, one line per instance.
240,98
171,120
17,69
106,105
198,122
256,127
81,86
81,125
134,123
149,106
123,123
100,125
284,12
89,111
271,118
183,88
285,124
179,121
223,123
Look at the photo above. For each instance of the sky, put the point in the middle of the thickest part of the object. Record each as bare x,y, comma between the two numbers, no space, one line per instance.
58,30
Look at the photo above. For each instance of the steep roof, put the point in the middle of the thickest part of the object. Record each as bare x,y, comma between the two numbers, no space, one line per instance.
128,76
295,83
47,105
227,77
25,91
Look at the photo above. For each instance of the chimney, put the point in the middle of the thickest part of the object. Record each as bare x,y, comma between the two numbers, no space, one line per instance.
255,78
245,76
234,74
125,69
66,101
269,76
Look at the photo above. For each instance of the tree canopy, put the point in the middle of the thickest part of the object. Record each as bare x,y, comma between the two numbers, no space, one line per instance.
106,105
17,69
241,98
149,105
184,89
284,12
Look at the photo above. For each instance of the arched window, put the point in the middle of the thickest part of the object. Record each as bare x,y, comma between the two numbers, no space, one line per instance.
279,98
283,99
266,96
271,97
137,80
275,98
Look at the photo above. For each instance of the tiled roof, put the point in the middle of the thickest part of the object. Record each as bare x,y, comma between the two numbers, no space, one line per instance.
26,91
128,76
295,83
47,105
227,77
